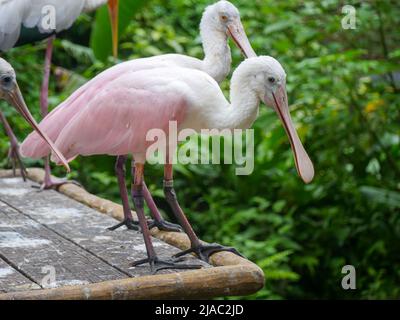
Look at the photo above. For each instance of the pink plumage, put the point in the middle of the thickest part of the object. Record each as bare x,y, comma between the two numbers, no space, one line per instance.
55,121
109,115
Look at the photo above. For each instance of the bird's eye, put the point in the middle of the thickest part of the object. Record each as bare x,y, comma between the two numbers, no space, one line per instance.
271,79
224,18
7,80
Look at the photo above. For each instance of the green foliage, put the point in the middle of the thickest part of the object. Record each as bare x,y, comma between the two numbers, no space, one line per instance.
100,40
345,102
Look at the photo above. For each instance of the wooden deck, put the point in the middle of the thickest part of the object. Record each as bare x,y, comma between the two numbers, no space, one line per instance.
55,245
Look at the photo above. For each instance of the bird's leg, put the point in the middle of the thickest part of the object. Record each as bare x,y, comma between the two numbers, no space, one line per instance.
44,92
158,221
156,264
49,182
203,251
13,154
128,219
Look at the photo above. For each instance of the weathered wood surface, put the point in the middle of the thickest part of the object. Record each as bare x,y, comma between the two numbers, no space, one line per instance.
12,280
29,247
78,227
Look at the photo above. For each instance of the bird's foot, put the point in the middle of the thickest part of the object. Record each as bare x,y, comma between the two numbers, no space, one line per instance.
204,251
157,264
164,225
55,183
14,158
129,223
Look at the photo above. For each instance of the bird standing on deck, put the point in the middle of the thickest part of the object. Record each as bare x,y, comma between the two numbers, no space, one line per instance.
116,120
9,91
37,20
220,22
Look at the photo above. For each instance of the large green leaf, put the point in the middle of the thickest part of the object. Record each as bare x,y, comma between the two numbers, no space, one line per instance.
100,39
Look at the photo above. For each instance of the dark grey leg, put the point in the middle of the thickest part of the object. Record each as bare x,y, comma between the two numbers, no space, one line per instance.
157,221
156,264
203,251
13,154
128,219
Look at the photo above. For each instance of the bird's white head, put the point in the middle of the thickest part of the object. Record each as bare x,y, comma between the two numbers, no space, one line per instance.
223,17
8,82
7,79
267,78
263,74
10,92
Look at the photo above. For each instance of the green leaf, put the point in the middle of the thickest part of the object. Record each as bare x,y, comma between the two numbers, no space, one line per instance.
381,196
100,39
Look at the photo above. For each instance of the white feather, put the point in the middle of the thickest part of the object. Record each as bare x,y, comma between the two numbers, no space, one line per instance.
91,5
15,13
12,13
66,13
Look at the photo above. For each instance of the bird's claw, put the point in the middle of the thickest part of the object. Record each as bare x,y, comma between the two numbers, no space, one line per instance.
14,158
157,264
130,224
55,183
204,251
164,225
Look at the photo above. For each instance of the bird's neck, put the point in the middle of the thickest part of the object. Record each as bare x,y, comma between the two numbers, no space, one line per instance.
244,107
217,60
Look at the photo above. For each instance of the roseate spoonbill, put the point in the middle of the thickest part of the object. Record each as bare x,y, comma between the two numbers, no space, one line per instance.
9,91
116,119
35,17
219,22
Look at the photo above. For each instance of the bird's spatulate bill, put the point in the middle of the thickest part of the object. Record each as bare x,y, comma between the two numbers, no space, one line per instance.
238,35
113,11
303,162
16,99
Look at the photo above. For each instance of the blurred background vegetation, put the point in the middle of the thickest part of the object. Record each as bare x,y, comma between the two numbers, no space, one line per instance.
344,93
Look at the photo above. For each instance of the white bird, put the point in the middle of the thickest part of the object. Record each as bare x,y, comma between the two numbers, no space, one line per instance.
36,14
116,116
46,18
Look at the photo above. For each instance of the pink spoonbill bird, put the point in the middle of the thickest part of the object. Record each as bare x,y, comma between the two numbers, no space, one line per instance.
116,119
23,21
9,91
220,22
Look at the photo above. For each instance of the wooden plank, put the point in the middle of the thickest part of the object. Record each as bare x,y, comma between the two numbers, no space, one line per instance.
86,227
233,276
12,280
195,284
37,252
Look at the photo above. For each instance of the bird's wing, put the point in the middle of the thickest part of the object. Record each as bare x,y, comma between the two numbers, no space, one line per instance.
66,12
53,123
12,13
107,117
56,120
118,122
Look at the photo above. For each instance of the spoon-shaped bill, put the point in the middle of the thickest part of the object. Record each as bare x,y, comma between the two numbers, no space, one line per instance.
238,35
15,98
304,165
